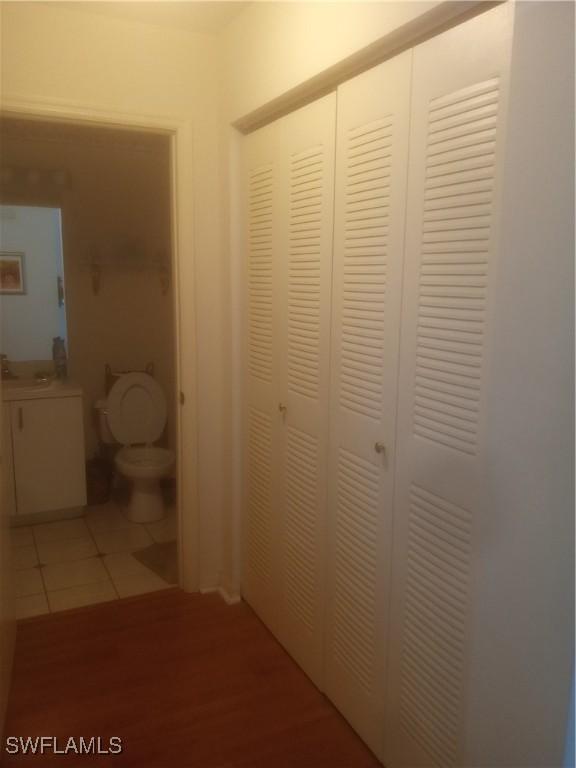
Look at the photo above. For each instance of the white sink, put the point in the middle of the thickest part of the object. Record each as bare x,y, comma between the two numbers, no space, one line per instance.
27,384
30,389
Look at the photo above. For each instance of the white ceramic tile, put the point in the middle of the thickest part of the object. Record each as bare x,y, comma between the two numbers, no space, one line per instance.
123,540
106,517
20,537
75,597
131,577
164,530
129,586
61,530
24,557
122,564
64,551
74,574
27,582
32,605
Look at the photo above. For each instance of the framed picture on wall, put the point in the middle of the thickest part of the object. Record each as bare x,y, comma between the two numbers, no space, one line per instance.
12,272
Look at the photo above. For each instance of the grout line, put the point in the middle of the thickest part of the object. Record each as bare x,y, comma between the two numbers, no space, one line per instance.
114,587
64,562
40,568
103,554
129,553
99,553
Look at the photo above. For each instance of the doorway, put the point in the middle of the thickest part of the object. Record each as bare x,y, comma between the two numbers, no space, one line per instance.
114,188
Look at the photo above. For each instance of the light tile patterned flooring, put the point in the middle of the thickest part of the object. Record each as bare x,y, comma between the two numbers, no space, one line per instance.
71,563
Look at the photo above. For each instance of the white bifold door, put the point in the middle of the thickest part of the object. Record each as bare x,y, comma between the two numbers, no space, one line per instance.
370,206
371,230
459,89
289,170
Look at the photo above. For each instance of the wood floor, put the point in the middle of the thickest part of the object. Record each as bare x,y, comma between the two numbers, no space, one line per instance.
184,680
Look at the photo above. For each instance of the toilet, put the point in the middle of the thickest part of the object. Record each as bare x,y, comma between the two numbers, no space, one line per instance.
134,415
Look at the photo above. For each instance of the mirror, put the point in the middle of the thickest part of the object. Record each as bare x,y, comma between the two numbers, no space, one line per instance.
32,307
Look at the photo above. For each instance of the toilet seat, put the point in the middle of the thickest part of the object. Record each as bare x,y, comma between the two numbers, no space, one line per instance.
136,409
145,461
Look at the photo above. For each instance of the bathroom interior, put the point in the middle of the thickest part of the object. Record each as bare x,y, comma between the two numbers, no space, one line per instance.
88,363
287,304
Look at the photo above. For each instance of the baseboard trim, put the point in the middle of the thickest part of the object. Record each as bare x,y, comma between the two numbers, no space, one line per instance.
230,598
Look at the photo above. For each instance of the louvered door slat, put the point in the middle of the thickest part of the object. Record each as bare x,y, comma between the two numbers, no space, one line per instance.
372,144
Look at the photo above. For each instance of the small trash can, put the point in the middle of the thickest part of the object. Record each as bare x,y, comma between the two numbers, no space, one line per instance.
98,480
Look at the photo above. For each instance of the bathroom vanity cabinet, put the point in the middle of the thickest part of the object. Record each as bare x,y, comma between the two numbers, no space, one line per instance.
44,439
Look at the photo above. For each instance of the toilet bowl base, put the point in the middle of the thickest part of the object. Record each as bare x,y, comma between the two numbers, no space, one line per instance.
146,504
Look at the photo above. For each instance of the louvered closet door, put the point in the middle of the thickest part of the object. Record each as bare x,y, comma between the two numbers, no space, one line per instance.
457,132
289,210
306,149
260,577
371,168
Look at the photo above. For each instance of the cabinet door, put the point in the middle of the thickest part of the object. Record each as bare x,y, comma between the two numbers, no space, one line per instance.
458,104
371,169
48,442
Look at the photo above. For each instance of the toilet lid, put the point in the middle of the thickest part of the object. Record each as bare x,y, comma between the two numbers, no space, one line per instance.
136,409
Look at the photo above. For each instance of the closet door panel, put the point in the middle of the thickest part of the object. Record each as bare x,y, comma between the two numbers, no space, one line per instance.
289,168
371,169
458,103
307,150
260,579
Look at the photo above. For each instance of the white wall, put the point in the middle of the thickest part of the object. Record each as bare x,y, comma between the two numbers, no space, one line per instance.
523,620
274,46
75,59
31,320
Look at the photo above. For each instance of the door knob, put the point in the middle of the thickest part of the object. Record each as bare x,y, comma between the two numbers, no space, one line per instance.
282,408
380,448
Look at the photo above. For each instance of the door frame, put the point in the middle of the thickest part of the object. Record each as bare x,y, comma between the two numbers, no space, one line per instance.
182,196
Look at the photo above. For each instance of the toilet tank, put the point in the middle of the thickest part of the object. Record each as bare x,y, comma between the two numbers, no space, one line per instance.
103,429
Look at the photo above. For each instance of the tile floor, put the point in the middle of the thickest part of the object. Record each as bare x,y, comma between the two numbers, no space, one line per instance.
71,563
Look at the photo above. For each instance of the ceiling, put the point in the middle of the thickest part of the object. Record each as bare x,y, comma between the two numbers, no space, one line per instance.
196,16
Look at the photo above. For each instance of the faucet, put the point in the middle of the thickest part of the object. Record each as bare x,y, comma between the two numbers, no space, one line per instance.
6,372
